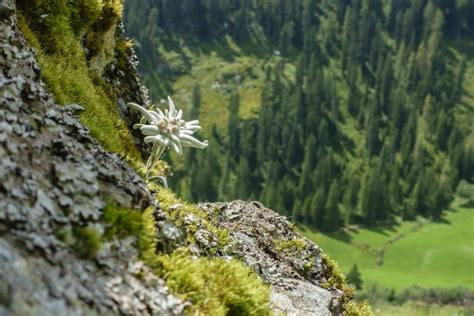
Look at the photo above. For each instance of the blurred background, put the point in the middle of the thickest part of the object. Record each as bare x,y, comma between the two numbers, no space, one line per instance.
354,118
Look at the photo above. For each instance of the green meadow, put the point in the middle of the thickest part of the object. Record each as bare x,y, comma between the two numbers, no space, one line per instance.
428,254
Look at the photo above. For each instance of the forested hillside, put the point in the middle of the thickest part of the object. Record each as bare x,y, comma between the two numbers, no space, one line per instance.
332,112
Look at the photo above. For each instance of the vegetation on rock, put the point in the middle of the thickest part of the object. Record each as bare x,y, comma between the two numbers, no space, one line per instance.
74,43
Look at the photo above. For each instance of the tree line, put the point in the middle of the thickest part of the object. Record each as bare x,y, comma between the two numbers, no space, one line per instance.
365,131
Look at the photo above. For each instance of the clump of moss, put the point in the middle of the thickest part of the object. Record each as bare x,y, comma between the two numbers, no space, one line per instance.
336,279
177,210
216,286
123,222
295,244
333,274
58,29
123,49
87,241
352,308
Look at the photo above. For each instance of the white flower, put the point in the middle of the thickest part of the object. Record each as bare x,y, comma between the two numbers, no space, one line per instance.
165,130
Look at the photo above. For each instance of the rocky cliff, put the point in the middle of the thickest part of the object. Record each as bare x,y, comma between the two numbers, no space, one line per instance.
81,232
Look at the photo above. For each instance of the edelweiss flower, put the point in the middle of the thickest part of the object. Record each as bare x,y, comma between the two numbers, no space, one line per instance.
165,130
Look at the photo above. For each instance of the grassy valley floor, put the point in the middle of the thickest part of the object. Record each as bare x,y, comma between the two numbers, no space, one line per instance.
427,254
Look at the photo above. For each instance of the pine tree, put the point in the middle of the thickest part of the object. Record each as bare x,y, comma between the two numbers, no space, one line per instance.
349,199
333,215
233,130
309,163
354,277
318,203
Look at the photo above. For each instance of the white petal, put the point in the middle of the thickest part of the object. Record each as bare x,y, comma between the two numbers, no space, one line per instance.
185,131
194,145
155,115
177,147
172,108
151,128
142,110
179,115
193,128
175,139
191,140
195,122
157,139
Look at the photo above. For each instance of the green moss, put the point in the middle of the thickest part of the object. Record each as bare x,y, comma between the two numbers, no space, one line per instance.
335,278
296,244
124,49
177,210
333,274
123,222
216,286
352,308
58,29
88,241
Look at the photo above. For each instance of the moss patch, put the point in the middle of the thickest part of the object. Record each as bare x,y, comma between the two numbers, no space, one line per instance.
178,210
123,222
336,279
333,274
61,32
87,241
353,308
293,245
216,286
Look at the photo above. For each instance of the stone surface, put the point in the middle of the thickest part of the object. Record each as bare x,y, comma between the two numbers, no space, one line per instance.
265,241
56,178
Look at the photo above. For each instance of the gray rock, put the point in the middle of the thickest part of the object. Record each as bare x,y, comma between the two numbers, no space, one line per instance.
296,273
56,179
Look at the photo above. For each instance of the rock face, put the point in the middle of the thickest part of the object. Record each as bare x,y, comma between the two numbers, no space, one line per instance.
55,181
293,265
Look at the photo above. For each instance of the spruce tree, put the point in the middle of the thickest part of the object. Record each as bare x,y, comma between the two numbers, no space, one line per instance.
355,278
333,215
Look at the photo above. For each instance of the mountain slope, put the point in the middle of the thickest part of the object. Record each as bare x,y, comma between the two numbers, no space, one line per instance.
358,116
